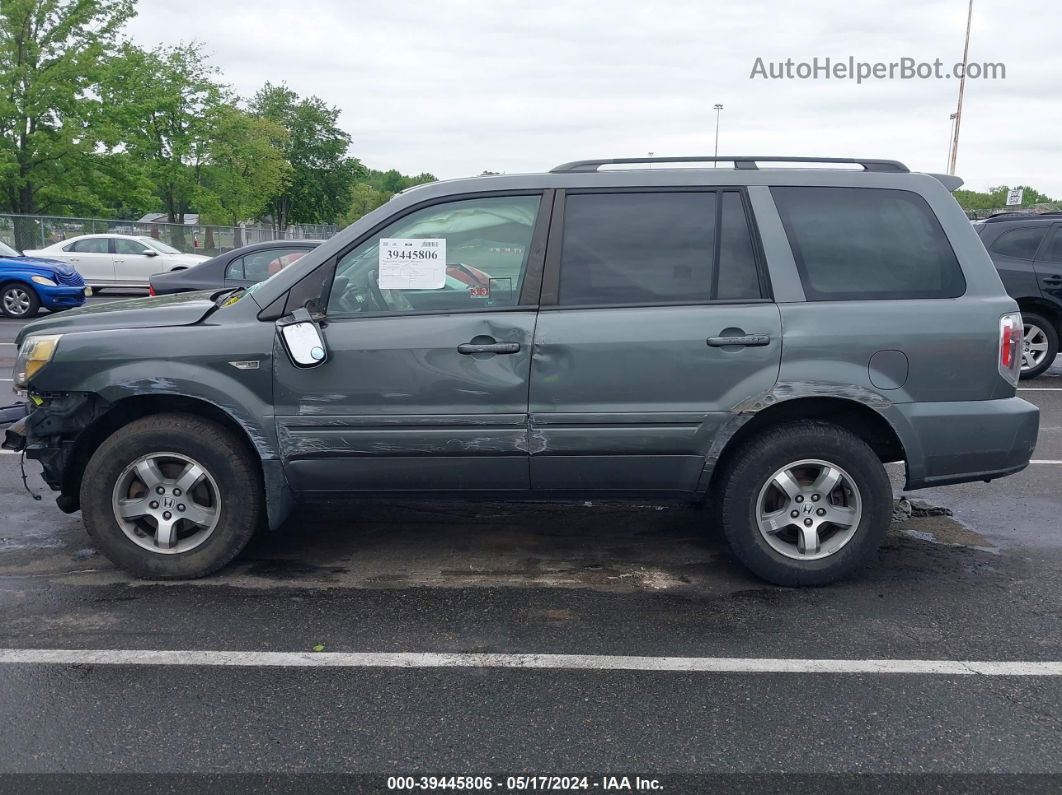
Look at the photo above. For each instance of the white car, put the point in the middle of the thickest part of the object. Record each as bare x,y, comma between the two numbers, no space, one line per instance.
117,260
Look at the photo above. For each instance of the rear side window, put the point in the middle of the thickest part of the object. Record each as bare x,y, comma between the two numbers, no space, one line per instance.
1019,243
867,244
92,245
260,265
653,248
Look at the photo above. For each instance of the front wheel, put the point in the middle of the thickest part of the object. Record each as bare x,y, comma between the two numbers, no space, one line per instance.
171,496
805,503
1039,344
19,301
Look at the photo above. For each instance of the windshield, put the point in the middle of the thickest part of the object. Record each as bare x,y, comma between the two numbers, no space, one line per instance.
158,244
7,251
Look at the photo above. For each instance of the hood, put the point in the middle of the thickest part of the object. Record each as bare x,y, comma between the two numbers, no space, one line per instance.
40,264
182,309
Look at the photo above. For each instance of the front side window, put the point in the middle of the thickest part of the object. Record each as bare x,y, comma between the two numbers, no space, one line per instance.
1019,243
486,243
123,246
92,245
867,244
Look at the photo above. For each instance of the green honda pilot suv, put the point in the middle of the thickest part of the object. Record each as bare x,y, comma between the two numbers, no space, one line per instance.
762,339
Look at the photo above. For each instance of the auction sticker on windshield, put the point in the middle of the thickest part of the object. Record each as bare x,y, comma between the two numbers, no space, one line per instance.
412,263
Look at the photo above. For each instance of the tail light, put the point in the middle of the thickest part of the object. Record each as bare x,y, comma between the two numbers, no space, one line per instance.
151,290
1010,330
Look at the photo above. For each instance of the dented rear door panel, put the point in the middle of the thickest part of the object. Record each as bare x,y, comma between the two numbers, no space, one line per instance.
631,398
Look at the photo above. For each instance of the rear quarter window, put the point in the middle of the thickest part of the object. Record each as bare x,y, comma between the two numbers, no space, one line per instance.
867,244
1019,243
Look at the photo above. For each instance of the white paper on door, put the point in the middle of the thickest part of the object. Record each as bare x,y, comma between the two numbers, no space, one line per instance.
412,263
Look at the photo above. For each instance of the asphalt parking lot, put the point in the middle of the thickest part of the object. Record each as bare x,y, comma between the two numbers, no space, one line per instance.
602,582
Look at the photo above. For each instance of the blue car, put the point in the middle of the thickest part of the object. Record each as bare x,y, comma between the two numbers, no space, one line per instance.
28,283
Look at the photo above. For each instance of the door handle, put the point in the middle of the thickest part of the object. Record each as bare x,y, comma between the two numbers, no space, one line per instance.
748,341
491,347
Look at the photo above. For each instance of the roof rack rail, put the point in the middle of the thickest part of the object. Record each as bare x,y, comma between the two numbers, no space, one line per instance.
740,162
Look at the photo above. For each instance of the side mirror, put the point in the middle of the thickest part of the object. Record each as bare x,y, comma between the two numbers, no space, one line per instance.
302,339
150,252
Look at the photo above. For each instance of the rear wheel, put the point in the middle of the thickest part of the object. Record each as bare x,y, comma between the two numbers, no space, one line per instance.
18,300
171,496
1039,344
805,503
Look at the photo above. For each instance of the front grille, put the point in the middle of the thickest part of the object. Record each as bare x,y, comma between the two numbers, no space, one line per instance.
72,279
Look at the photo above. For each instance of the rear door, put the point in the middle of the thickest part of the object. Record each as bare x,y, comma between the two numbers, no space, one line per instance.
655,324
93,258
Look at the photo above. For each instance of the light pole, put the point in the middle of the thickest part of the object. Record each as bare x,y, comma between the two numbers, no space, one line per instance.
718,108
962,86
951,133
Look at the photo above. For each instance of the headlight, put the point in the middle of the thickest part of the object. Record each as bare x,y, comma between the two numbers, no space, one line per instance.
32,356
44,280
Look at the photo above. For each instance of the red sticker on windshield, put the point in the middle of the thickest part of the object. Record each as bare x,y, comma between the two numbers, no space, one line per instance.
479,292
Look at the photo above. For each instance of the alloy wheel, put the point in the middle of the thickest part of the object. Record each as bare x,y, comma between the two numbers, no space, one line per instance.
1034,347
809,509
166,503
16,301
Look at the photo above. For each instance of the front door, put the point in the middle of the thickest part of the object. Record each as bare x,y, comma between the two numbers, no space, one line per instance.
655,326
425,384
132,262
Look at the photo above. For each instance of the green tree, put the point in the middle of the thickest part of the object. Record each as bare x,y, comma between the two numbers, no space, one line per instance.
52,55
245,167
168,105
364,199
322,173
996,198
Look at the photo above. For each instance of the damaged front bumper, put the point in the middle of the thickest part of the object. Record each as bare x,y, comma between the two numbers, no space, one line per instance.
47,431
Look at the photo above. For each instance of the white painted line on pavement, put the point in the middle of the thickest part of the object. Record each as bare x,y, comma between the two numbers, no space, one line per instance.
255,659
1040,389
1044,461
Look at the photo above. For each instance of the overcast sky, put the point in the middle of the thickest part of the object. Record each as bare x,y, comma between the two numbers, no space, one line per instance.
458,86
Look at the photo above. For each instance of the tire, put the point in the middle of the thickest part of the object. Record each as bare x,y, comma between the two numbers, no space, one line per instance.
777,555
227,501
19,300
1040,337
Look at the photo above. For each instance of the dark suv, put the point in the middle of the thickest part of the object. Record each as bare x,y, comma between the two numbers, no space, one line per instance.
762,340
1027,251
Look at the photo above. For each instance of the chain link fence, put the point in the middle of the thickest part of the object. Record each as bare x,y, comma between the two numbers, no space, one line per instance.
24,232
